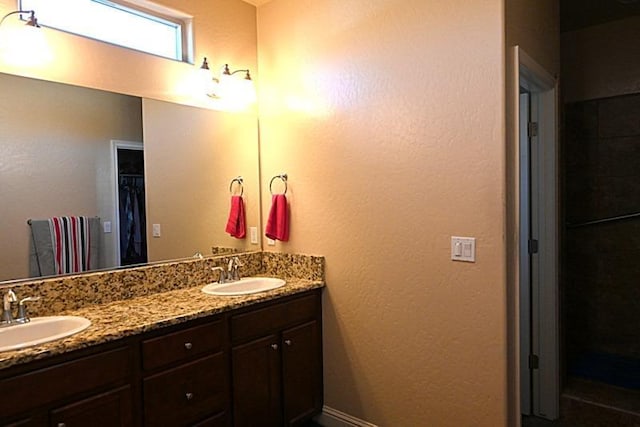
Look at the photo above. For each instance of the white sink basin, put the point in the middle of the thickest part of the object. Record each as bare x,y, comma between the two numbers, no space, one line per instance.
40,330
248,285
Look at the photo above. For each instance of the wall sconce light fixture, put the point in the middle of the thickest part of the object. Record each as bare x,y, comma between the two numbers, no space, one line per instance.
31,22
227,72
227,87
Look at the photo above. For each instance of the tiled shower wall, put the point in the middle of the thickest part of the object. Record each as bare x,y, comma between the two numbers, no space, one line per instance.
601,262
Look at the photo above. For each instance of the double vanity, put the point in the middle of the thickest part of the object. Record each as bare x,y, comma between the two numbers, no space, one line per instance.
173,353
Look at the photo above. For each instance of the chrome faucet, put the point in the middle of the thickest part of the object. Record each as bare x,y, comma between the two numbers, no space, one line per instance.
223,274
7,300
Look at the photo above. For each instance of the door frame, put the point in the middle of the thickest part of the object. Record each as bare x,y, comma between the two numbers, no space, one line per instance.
544,317
115,146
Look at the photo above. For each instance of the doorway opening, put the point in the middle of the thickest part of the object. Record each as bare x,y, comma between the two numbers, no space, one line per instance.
131,242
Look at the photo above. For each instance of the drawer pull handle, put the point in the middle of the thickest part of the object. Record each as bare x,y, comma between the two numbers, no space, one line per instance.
287,342
188,345
189,396
274,346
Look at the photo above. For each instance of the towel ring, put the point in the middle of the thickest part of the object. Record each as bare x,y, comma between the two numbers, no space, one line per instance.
283,177
240,182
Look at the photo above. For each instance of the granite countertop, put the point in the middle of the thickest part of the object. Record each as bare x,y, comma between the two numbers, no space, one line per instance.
130,317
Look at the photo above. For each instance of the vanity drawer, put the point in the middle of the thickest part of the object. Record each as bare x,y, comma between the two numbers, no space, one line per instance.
187,393
264,321
61,381
182,345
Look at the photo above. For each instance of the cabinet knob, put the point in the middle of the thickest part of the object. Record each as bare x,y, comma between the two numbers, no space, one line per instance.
188,345
274,346
287,342
189,396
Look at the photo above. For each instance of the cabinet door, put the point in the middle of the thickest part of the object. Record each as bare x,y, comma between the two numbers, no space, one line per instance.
301,373
108,409
34,421
256,383
219,420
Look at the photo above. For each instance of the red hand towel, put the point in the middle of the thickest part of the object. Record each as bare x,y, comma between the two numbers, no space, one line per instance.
278,221
235,223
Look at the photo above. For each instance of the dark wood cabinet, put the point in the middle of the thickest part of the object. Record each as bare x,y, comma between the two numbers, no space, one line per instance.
277,378
301,372
256,382
185,378
256,366
74,391
186,394
103,410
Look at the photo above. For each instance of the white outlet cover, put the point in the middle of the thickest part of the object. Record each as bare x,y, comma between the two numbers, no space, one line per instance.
156,230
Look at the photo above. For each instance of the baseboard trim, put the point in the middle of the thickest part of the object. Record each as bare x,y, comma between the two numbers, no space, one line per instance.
333,418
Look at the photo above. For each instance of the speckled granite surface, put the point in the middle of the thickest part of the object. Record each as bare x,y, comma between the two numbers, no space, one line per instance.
126,302
293,265
120,319
103,287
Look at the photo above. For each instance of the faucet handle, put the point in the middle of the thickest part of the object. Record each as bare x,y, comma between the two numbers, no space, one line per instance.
22,309
223,274
7,300
10,296
234,265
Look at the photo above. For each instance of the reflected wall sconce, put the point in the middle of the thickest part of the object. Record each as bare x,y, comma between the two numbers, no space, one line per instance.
226,86
31,22
227,72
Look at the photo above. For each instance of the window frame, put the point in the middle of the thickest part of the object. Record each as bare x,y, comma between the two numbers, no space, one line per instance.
145,9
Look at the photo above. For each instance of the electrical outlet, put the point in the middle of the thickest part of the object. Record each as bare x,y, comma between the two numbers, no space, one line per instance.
156,230
253,232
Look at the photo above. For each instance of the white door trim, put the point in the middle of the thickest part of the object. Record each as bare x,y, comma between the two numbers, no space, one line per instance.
524,265
115,146
545,312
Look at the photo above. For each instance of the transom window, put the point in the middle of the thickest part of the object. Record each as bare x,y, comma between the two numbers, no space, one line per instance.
143,27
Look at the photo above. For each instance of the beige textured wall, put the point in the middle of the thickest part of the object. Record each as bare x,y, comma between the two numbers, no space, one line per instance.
601,61
55,159
224,31
191,156
534,26
388,116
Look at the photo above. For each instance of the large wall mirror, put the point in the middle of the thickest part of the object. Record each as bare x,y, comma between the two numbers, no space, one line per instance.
160,170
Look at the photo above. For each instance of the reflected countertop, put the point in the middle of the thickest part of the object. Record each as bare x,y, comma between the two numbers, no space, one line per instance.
130,317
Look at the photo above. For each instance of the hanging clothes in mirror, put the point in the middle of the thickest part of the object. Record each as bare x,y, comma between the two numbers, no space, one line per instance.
133,245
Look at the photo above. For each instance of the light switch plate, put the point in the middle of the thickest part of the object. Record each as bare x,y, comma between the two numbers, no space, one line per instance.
463,249
156,230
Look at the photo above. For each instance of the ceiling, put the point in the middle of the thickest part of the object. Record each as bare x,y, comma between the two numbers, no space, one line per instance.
257,2
576,14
